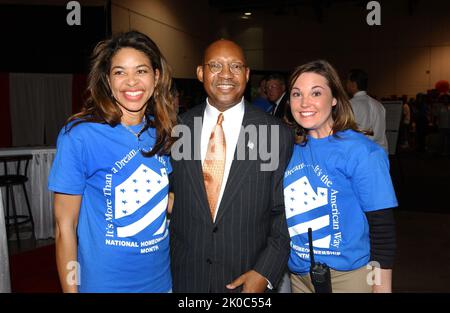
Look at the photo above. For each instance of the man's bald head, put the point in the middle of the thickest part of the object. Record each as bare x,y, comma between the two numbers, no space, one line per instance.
224,44
224,74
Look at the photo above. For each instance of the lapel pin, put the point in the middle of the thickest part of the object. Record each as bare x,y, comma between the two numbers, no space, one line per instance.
250,145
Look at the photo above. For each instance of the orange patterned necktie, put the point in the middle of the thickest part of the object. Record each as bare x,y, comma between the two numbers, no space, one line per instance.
214,164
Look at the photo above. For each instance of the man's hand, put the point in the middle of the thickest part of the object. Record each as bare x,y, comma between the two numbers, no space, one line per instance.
253,282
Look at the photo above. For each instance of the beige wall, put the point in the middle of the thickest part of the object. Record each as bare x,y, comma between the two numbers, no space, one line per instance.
407,54
181,29
397,55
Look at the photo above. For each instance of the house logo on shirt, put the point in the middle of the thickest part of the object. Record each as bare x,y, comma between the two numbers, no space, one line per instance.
135,192
300,197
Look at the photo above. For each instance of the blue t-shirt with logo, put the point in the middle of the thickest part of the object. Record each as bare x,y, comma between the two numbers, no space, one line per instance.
328,186
123,241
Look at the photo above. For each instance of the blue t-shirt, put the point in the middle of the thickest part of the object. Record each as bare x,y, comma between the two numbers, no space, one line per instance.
123,241
328,185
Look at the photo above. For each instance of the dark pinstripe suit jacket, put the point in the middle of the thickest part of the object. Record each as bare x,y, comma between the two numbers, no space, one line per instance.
250,230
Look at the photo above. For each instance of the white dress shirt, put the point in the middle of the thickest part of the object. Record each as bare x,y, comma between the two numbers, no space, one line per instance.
370,115
232,122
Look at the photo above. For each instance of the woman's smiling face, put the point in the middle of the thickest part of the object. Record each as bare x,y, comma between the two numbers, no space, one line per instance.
311,102
132,80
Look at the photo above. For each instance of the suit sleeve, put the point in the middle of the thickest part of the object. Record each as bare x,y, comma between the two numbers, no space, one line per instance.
272,263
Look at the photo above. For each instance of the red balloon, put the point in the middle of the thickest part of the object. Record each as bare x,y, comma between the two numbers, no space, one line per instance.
442,86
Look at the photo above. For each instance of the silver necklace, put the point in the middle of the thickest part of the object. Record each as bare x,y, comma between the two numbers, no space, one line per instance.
139,133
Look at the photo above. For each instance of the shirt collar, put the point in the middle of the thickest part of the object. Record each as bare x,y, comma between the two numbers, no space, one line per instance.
279,99
229,115
360,93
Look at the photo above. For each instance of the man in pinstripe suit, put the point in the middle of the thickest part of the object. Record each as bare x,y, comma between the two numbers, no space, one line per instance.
244,245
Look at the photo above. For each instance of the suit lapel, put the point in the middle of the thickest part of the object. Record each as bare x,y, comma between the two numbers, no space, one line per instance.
239,168
194,166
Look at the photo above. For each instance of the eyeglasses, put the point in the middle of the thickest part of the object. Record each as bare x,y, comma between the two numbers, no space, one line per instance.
235,67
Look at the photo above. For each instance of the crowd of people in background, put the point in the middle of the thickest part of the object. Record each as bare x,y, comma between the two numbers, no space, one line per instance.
425,123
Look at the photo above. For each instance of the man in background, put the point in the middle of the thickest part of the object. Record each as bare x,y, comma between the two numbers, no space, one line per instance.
276,94
261,100
370,114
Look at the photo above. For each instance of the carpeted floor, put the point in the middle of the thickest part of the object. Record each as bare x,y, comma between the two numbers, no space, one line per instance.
422,262
34,271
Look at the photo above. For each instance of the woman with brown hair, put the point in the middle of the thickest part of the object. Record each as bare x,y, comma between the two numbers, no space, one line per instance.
110,174
338,184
